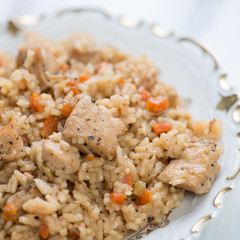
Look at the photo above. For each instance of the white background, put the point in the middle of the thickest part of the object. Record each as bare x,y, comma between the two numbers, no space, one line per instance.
215,22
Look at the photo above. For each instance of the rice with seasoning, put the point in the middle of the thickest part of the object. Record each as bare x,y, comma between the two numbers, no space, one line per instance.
67,176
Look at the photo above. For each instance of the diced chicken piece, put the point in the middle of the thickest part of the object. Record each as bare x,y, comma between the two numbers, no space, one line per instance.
38,60
197,168
57,158
97,129
85,57
11,144
18,198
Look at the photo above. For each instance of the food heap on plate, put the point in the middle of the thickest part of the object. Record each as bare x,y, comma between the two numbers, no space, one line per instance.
92,144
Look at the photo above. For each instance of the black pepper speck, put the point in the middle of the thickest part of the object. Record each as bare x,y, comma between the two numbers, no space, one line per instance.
150,219
91,137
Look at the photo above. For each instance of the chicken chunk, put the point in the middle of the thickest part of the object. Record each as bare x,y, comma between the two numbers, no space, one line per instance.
90,128
28,192
197,168
11,144
38,60
57,158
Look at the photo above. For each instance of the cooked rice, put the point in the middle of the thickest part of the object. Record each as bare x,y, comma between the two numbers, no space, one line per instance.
78,205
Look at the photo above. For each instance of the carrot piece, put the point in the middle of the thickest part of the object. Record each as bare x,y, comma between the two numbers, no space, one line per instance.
128,179
156,105
50,126
1,63
44,231
145,95
84,77
163,127
211,125
122,81
66,109
65,67
145,198
89,157
35,102
72,87
10,213
118,198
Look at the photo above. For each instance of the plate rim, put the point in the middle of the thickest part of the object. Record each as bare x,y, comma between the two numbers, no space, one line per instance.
229,103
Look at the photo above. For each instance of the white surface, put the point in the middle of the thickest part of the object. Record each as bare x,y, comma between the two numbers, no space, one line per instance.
215,22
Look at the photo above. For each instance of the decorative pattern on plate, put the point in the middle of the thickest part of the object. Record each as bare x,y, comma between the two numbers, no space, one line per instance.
79,10
236,113
160,32
223,83
205,49
217,202
233,176
129,23
16,23
198,224
148,229
226,103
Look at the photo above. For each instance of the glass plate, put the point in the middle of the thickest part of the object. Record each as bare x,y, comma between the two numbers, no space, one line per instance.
184,63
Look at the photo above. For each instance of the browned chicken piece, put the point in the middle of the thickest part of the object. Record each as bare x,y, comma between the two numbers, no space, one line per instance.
85,57
90,128
11,144
43,62
107,54
57,158
19,198
197,168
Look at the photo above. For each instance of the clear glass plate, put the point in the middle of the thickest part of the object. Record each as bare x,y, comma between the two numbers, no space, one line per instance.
183,63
